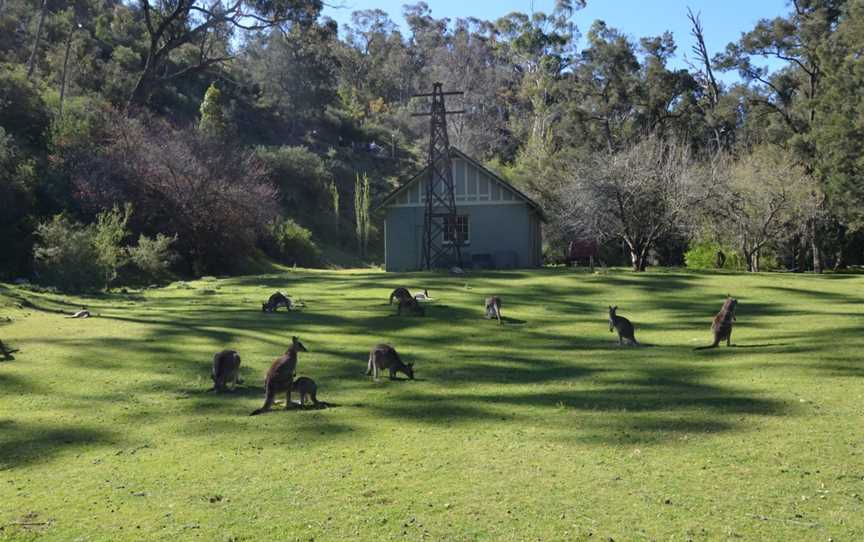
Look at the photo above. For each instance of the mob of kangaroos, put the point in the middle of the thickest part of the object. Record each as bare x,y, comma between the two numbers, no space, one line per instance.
280,377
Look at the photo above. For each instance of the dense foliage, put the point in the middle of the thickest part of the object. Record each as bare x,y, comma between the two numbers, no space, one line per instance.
213,119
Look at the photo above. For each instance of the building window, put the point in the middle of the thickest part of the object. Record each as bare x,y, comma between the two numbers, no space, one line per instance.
456,229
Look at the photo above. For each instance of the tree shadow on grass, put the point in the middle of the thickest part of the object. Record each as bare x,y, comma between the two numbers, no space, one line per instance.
23,444
664,398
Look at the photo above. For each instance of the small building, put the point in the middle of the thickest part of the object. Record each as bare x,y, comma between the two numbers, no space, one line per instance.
500,225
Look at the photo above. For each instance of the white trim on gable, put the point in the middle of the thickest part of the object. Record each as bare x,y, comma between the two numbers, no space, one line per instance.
471,186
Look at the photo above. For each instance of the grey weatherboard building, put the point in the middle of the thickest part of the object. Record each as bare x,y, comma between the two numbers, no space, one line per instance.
502,227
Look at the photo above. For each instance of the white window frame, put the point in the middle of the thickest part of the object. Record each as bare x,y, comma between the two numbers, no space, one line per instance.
467,239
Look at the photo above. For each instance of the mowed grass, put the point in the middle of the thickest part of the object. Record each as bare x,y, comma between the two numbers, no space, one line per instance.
539,429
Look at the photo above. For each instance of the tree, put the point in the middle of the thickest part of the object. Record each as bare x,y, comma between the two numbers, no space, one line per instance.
757,201
205,26
638,195
361,211
212,123
791,94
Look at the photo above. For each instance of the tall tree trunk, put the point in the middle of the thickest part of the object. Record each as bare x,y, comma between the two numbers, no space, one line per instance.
814,247
141,92
748,257
31,64
638,256
65,69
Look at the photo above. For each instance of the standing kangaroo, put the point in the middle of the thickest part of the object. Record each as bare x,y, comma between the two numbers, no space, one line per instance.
622,326
281,376
722,324
399,294
384,356
493,308
307,387
226,367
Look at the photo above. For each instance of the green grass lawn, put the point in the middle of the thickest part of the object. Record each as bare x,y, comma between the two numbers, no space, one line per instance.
539,429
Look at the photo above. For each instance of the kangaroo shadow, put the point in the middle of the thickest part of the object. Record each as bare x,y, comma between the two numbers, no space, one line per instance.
763,345
513,321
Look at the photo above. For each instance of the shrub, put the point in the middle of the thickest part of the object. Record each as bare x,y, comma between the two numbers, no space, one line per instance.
66,256
152,256
703,255
108,234
291,243
214,198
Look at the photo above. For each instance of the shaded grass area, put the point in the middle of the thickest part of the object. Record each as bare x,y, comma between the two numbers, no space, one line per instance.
540,428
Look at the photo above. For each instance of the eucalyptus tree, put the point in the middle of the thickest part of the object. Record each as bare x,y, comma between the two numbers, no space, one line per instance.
791,94
203,29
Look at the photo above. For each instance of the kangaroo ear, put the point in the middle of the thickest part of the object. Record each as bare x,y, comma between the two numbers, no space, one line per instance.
411,365
295,339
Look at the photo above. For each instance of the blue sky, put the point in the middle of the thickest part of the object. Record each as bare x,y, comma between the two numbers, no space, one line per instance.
724,20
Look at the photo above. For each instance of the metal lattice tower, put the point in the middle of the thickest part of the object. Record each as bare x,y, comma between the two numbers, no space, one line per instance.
440,201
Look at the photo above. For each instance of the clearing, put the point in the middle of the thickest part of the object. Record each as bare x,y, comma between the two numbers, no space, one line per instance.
539,429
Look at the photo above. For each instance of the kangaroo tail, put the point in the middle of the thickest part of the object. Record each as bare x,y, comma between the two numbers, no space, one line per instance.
269,398
706,347
497,312
314,398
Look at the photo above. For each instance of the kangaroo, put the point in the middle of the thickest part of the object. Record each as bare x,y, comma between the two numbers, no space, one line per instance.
493,308
307,387
722,324
411,305
424,296
399,294
83,313
384,356
7,352
281,376
226,367
277,300
622,326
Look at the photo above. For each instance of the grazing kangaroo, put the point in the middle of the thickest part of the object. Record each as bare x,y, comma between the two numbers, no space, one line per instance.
493,307
307,387
722,324
226,367
7,352
83,313
277,300
622,326
384,356
281,376
399,294
424,296
411,305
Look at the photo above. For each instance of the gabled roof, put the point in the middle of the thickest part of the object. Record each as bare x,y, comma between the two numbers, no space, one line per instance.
456,153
